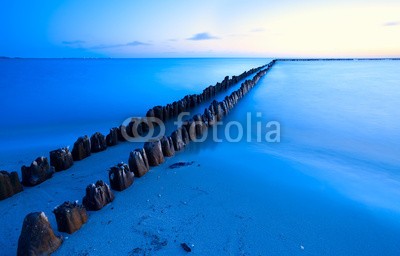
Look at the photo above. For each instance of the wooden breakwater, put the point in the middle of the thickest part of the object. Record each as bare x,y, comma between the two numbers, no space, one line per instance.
62,159
37,235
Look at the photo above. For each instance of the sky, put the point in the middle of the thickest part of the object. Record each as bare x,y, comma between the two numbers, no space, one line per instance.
207,28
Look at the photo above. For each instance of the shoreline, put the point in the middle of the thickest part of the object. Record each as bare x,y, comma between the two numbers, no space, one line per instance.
217,114
215,176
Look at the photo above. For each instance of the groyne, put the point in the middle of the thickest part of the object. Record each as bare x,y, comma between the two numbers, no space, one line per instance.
70,216
62,159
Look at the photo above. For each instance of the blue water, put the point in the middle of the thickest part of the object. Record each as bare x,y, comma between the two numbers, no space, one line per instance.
342,119
332,183
38,92
68,98
329,187
339,122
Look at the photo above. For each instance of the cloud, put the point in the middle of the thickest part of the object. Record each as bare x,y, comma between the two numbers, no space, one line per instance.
73,42
257,30
202,36
391,23
107,46
136,43
79,43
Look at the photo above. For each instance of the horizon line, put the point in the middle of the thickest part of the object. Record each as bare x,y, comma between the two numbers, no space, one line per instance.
276,59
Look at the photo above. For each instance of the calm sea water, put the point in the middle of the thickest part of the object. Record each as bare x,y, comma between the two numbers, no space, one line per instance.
342,119
339,122
48,103
332,184
330,187
339,116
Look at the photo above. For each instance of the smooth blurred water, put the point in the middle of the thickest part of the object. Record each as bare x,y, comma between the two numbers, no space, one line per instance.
48,91
339,122
332,183
48,103
339,117
330,187
343,119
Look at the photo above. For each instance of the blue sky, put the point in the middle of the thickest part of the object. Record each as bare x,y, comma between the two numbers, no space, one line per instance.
207,28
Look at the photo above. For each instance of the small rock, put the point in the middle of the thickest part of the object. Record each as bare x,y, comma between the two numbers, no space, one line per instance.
120,177
185,136
70,217
9,184
190,128
98,142
112,137
167,146
61,159
177,139
138,162
186,247
39,171
159,113
154,152
199,126
81,148
121,131
180,164
97,196
37,237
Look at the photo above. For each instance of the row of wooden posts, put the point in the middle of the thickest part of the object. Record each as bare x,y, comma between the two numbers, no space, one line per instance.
62,159
37,236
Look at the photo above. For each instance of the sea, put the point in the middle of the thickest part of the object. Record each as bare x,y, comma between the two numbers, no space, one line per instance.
326,183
